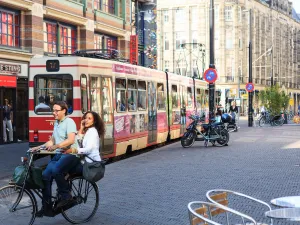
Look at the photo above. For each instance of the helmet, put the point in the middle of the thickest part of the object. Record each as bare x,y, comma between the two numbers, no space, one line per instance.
226,118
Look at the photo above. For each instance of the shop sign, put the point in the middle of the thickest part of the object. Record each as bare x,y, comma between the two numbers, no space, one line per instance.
10,68
8,81
134,49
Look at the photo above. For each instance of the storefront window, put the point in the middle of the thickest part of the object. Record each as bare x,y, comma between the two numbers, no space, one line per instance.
67,36
50,89
9,29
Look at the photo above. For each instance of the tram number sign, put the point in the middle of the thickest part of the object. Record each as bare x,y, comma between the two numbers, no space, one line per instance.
249,87
210,75
52,65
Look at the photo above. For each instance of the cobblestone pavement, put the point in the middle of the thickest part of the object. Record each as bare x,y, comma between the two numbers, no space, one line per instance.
155,187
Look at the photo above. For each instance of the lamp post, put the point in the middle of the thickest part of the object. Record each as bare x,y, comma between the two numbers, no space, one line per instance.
211,86
250,94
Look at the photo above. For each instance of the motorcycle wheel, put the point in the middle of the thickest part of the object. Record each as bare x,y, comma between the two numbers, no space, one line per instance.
188,139
223,140
262,122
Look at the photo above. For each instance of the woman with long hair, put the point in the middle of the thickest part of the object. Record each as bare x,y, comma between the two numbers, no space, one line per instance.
92,128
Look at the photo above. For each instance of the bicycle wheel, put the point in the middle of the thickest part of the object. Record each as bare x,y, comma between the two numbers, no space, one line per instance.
86,195
26,206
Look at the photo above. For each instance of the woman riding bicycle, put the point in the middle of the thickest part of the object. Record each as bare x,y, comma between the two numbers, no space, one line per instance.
92,128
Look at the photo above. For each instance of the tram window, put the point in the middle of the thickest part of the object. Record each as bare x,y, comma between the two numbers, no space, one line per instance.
50,89
84,94
161,97
132,95
107,100
174,96
121,95
189,97
142,97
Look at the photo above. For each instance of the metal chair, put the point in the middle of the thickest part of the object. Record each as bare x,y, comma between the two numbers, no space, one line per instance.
240,202
204,213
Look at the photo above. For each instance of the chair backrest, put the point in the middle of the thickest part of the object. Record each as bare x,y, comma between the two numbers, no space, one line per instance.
238,202
205,213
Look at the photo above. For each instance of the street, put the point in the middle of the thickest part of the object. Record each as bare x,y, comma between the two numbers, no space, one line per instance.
155,187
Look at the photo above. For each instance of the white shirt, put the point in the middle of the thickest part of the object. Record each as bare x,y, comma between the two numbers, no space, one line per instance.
91,144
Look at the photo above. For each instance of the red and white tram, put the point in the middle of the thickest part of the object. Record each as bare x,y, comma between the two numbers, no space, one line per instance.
140,106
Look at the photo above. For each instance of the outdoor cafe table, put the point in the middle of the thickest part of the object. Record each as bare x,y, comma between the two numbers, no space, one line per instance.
288,202
291,214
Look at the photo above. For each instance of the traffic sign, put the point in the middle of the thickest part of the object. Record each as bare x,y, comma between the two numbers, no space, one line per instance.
210,75
249,87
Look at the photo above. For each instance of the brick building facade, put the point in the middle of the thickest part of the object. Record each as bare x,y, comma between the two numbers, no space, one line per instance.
48,27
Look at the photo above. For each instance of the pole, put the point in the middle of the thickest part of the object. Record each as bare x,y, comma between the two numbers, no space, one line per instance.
211,87
272,78
137,25
250,94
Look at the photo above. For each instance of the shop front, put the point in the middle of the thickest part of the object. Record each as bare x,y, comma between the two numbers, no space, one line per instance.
13,101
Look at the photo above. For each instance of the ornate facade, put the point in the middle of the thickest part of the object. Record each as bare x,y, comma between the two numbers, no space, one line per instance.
275,40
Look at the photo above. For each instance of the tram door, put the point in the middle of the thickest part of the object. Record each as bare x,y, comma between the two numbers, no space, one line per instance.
152,113
101,102
183,99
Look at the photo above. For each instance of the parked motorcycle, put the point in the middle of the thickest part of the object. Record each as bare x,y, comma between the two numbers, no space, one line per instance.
213,132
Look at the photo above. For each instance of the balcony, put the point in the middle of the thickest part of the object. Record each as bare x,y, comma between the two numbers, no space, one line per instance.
73,7
18,4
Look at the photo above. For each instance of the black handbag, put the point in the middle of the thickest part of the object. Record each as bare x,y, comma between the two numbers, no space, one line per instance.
93,171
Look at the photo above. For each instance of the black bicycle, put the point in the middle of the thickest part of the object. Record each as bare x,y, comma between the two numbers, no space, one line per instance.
19,203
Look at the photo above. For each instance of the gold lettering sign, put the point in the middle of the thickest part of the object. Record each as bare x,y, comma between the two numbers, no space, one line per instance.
51,122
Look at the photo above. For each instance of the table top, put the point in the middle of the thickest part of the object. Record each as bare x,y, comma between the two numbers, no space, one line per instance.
288,201
292,214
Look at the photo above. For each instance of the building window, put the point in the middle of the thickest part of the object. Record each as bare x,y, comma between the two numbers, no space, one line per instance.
102,41
228,13
67,35
98,40
194,38
10,29
67,40
107,6
166,16
179,16
216,13
228,43
166,41
180,39
167,65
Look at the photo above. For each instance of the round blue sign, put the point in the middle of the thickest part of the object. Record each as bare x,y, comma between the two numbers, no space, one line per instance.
249,87
210,75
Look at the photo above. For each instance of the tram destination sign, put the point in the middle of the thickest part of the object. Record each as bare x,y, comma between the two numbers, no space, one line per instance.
10,68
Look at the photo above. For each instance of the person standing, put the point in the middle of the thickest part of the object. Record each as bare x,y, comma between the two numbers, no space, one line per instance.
233,110
7,121
63,137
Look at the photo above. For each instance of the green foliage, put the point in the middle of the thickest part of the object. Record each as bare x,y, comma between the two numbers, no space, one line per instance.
274,99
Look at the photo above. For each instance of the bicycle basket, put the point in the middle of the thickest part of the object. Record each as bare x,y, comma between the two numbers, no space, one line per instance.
34,179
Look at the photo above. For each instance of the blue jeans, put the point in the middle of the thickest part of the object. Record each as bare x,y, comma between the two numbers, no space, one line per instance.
58,166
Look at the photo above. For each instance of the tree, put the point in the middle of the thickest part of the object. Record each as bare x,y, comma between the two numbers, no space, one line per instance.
274,99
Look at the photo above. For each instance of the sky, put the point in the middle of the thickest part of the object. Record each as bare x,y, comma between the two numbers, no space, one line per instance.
296,4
